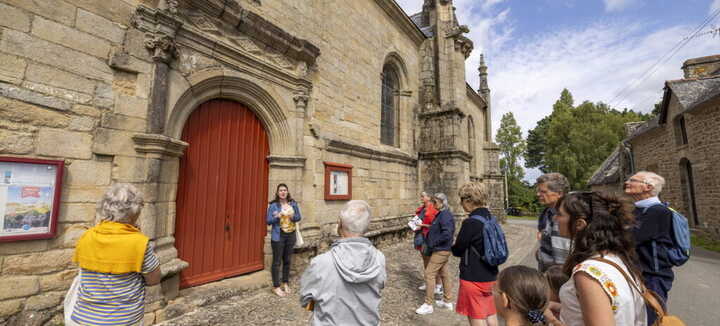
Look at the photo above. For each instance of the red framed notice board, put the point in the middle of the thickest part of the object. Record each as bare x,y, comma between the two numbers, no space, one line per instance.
338,181
29,198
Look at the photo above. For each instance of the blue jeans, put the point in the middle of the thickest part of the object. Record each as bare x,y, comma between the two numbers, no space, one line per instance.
661,286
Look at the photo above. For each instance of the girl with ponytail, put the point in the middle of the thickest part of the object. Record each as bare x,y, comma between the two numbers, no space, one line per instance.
521,296
597,292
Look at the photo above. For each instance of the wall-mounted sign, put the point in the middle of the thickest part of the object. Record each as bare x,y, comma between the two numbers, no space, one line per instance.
29,198
338,181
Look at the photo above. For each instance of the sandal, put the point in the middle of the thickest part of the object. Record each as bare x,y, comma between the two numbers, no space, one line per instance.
279,292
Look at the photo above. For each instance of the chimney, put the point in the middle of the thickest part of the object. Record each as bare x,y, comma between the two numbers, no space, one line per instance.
702,67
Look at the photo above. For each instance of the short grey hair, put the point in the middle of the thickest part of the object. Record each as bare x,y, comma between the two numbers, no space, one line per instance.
442,200
120,203
655,180
355,217
555,182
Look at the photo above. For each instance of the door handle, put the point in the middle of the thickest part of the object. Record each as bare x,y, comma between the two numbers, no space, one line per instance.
227,227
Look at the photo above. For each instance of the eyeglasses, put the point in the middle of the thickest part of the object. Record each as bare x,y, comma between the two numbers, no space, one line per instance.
638,181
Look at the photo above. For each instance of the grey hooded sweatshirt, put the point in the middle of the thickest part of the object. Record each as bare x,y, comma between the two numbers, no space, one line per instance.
345,284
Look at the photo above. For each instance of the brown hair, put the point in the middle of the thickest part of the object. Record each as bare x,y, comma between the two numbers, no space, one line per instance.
609,219
277,197
556,277
475,193
526,290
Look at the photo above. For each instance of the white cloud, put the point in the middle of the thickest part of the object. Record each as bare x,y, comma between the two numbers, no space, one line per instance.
528,72
715,5
618,5
594,63
410,6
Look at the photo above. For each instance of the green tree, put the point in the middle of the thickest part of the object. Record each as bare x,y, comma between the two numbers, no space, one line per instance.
574,141
536,140
512,146
656,108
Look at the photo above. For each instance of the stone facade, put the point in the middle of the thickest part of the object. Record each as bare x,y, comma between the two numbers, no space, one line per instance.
682,144
108,87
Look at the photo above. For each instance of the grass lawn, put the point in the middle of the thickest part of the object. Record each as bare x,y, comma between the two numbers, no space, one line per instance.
529,218
701,241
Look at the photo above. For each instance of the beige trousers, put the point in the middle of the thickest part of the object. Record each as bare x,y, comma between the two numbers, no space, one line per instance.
438,264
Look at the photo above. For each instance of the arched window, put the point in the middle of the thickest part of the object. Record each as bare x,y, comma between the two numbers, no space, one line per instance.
389,109
471,146
687,183
681,137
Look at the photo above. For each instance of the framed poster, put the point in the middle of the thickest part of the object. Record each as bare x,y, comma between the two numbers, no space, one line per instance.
338,181
29,198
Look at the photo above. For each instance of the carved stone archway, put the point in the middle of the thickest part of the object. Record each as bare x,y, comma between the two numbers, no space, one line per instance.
217,85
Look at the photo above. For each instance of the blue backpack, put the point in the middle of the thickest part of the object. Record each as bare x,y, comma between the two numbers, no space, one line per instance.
496,250
679,253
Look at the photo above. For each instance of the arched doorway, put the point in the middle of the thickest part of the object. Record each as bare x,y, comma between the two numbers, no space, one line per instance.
221,200
688,190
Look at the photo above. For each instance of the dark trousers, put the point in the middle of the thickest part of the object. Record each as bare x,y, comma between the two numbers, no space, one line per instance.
282,253
661,286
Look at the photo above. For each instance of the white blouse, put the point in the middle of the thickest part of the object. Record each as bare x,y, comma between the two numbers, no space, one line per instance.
627,303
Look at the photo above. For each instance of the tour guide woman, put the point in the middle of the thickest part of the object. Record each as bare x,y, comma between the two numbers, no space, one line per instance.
282,213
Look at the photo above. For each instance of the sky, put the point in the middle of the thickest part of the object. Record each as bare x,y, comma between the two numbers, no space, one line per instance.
618,52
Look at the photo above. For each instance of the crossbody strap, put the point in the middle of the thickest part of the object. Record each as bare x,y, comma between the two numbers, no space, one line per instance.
649,298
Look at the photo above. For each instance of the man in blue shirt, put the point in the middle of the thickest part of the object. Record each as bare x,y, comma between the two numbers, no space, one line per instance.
653,232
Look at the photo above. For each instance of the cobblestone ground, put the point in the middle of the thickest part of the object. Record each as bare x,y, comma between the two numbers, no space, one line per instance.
400,297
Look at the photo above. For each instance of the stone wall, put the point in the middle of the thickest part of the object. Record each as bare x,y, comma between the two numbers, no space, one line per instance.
658,151
60,100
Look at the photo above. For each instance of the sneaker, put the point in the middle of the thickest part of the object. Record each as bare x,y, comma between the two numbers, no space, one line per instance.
422,287
438,289
425,309
443,304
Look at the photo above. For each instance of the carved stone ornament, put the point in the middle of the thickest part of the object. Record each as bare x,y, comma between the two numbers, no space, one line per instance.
162,46
301,99
172,6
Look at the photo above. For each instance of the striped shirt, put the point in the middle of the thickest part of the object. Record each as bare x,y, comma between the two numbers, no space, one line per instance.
554,248
113,299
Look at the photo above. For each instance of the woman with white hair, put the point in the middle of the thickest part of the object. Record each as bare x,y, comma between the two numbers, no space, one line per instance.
427,213
439,241
116,262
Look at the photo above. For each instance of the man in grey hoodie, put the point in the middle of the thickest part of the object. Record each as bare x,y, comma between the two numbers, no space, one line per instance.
342,286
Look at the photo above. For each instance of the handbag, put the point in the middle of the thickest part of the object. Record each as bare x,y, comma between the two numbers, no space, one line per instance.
299,242
419,239
71,299
651,299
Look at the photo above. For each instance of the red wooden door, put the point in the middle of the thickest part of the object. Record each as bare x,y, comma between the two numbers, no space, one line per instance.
221,200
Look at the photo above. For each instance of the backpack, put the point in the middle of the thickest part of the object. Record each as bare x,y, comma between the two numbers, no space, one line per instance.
496,251
679,253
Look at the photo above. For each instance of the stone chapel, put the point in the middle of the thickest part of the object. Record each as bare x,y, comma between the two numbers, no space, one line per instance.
207,105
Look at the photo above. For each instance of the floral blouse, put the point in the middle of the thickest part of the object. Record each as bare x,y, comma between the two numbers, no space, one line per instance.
627,304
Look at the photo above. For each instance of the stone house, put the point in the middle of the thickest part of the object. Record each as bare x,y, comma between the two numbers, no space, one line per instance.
206,105
682,144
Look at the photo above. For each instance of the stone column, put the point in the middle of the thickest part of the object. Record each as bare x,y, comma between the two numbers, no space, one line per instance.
163,51
158,216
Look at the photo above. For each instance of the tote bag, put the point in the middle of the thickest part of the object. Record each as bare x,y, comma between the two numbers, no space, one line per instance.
299,242
70,299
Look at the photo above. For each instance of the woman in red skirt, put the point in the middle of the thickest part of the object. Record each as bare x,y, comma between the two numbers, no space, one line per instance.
475,299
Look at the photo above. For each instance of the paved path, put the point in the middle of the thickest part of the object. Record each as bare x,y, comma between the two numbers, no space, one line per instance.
400,296
695,295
